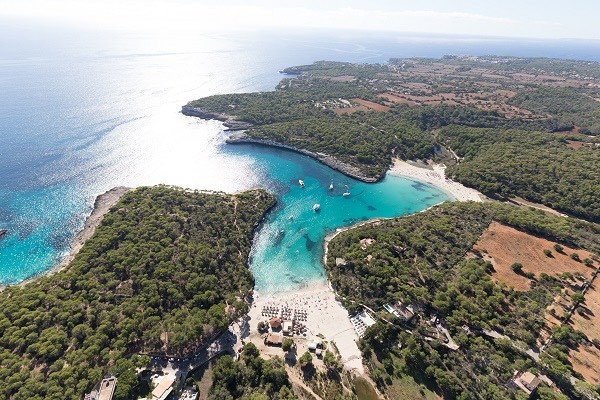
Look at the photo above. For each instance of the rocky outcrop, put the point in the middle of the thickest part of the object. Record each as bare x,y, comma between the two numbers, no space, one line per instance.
229,121
326,159
3,232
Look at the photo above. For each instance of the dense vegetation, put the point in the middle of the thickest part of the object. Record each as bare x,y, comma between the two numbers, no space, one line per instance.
421,259
364,140
164,272
536,166
251,378
513,156
572,107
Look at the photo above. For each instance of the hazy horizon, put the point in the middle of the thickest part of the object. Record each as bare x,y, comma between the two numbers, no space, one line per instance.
510,19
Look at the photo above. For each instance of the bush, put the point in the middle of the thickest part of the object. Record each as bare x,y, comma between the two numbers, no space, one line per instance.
529,275
262,327
588,262
575,257
305,359
577,297
517,267
287,344
559,248
331,361
547,253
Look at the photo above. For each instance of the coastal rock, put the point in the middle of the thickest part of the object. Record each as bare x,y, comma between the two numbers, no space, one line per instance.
3,232
229,121
325,159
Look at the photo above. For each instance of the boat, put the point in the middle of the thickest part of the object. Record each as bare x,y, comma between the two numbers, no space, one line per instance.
301,182
316,207
347,192
331,186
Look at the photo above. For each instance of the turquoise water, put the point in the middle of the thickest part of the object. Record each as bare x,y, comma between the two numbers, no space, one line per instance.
82,111
288,248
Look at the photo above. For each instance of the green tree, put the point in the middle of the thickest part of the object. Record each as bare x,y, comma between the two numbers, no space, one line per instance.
305,359
330,360
287,344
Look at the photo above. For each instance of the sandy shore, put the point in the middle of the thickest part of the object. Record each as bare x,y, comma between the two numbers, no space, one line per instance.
102,204
434,174
324,316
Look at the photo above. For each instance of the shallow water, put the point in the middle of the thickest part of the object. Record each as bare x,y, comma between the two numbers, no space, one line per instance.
83,111
288,248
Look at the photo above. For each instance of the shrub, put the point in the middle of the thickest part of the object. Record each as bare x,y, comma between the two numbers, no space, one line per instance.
262,327
305,359
577,297
517,267
287,344
548,253
559,248
575,257
529,275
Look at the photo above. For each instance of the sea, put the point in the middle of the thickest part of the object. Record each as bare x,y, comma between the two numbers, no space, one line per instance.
82,111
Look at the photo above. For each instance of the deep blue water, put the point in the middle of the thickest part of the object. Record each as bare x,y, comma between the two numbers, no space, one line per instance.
82,112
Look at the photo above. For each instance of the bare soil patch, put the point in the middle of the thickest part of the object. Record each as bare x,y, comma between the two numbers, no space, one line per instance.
371,105
343,78
504,246
586,361
398,99
589,322
349,110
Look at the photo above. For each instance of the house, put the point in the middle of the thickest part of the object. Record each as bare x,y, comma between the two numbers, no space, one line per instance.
526,381
164,387
275,323
274,339
104,391
401,311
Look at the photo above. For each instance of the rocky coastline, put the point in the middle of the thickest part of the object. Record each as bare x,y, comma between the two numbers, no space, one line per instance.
102,204
230,122
325,159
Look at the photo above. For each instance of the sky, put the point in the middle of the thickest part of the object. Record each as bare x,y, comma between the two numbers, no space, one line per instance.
547,19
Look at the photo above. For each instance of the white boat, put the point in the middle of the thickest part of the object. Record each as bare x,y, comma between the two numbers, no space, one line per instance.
347,192
331,186
316,207
301,182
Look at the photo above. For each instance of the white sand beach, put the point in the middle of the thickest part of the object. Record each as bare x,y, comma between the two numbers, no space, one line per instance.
324,316
435,174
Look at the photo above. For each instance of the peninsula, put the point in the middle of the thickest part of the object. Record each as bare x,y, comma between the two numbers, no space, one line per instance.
509,127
